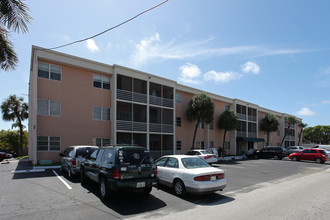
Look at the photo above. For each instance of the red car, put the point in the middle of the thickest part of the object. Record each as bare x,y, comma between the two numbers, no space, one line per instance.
313,154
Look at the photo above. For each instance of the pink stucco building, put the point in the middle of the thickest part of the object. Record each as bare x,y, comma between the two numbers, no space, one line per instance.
74,101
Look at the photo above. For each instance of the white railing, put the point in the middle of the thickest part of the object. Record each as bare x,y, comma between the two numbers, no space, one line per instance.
252,118
131,96
252,135
241,116
131,126
241,134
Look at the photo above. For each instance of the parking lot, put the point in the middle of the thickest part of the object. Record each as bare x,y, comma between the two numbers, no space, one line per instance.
38,195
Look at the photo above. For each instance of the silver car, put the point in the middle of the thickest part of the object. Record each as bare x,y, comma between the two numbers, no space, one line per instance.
73,156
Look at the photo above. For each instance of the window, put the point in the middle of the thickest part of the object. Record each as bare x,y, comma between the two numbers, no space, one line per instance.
178,121
201,125
99,155
102,82
172,162
49,71
45,143
102,142
178,145
178,98
200,144
211,126
101,113
49,107
109,156
211,144
227,107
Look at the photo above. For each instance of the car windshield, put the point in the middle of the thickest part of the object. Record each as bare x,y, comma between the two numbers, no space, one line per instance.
135,157
192,163
322,152
83,152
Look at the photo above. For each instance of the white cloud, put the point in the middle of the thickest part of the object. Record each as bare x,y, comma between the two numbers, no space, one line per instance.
305,112
250,67
190,74
325,102
91,45
153,48
221,77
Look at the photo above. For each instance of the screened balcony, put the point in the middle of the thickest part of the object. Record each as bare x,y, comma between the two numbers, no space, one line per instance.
131,117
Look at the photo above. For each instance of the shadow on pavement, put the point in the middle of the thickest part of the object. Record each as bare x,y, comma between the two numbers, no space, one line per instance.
204,199
128,203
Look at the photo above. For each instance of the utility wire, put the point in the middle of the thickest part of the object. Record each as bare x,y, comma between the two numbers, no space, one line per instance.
96,35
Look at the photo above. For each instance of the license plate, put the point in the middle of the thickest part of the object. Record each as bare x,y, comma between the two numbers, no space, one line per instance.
140,185
213,178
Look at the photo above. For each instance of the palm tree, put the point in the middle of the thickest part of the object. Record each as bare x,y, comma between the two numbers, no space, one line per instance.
228,121
269,124
13,17
200,109
290,120
14,109
301,125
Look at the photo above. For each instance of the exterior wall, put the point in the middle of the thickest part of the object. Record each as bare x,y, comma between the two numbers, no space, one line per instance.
78,96
75,126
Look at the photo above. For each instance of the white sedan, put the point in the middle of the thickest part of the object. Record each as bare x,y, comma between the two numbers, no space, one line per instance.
189,174
205,155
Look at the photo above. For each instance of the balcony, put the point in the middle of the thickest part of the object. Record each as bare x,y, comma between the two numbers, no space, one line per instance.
252,135
252,118
241,134
241,116
131,96
155,100
131,126
162,128
290,138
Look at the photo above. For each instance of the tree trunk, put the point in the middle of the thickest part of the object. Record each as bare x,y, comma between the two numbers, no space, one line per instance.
286,133
224,141
21,139
268,138
193,142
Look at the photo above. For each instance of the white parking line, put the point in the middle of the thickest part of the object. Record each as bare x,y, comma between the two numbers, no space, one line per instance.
62,180
28,171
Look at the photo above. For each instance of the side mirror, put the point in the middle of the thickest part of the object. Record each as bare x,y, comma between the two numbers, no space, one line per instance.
88,156
62,155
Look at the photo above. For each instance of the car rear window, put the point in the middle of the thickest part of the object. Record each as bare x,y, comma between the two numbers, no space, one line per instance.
205,152
193,163
134,157
83,152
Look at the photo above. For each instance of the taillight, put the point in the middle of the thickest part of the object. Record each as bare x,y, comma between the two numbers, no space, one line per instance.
156,171
73,162
210,177
207,157
116,174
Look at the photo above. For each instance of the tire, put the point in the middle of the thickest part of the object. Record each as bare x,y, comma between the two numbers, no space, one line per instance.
318,160
104,191
147,191
276,157
83,179
179,188
294,158
70,174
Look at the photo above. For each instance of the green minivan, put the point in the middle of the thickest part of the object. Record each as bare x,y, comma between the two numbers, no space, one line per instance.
117,168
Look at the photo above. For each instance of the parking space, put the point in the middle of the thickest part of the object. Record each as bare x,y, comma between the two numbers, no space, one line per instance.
42,194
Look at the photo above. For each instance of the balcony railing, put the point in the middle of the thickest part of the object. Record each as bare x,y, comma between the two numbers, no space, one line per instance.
290,138
163,128
131,96
241,134
252,118
252,135
241,116
131,126
155,100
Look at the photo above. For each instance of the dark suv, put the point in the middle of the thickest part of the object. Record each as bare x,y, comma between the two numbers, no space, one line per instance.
120,168
272,152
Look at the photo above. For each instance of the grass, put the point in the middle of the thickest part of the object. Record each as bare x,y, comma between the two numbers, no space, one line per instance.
22,157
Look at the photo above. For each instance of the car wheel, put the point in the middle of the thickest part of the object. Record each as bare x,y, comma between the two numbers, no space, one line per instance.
70,175
179,188
294,158
104,191
276,157
147,191
318,160
83,179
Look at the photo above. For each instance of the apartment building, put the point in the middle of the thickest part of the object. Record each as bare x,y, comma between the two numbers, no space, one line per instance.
74,101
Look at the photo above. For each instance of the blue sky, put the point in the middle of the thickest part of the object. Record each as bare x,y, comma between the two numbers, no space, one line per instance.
272,53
